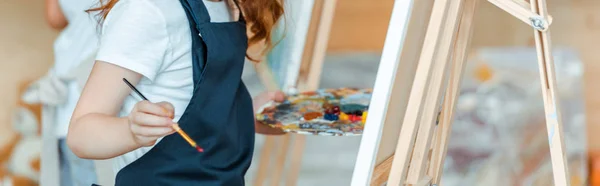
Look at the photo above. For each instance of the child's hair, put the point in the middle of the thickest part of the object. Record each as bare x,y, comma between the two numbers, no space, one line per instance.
261,15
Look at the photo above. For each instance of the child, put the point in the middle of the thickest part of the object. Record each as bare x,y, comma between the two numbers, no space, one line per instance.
189,55
75,45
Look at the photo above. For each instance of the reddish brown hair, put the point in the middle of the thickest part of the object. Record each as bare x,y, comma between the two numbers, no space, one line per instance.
261,16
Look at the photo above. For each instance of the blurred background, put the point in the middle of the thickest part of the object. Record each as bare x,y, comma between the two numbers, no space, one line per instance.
501,82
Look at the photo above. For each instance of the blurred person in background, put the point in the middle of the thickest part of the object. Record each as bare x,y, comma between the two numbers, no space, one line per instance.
59,90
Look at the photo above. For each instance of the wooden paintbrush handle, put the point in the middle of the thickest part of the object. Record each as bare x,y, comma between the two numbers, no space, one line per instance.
184,135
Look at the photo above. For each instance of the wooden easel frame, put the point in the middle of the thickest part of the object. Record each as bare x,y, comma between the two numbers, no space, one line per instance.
446,39
309,76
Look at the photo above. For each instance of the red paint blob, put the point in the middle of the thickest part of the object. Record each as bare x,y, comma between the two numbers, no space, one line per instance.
199,149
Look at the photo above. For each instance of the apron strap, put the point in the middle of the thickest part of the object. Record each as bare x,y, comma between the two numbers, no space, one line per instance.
198,11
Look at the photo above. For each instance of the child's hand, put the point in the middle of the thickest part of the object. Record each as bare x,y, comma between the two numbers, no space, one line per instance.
259,101
150,121
266,97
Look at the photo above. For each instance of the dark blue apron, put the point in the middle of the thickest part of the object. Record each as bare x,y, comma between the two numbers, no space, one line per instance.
219,116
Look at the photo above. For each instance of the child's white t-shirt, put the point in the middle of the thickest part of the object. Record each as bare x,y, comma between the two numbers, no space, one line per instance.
152,38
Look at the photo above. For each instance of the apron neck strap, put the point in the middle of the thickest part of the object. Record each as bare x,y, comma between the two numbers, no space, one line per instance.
197,11
200,14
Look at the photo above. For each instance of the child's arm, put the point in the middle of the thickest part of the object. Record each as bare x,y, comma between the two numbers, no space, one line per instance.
96,132
134,44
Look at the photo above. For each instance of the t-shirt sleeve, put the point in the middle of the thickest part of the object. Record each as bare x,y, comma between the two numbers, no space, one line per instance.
134,37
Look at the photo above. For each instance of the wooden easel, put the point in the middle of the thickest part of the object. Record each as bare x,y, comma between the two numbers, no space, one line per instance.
309,76
421,145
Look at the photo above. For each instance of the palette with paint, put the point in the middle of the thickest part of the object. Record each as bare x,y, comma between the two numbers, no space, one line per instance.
327,112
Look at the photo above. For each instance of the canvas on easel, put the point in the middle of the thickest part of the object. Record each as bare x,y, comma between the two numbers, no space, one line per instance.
421,144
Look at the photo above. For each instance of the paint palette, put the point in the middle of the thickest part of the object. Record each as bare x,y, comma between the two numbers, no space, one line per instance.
325,112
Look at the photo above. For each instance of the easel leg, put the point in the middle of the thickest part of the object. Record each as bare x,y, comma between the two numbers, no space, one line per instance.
438,80
311,82
551,101
313,58
425,181
406,139
265,161
264,164
280,160
459,57
295,160
391,92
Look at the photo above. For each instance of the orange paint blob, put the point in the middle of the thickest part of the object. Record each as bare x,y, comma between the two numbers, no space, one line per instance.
312,115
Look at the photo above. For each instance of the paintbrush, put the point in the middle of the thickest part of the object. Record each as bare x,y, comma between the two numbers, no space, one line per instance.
175,126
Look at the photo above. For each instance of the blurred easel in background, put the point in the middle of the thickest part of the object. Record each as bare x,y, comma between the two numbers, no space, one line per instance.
302,74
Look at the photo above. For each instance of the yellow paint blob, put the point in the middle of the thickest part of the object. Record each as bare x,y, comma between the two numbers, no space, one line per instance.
364,117
290,127
483,73
343,116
